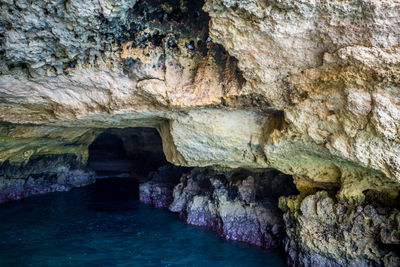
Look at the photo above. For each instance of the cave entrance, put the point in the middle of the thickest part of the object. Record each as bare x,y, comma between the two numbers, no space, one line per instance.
125,157
129,158
129,152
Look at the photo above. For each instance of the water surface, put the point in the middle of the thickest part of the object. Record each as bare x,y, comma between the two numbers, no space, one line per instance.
104,225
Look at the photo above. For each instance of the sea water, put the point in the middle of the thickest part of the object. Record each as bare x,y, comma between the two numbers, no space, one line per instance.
105,225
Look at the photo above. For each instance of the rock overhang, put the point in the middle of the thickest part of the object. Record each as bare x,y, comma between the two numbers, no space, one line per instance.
124,65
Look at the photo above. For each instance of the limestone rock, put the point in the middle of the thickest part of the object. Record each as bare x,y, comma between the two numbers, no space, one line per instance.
42,175
307,87
310,88
158,189
227,202
231,205
334,73
321,232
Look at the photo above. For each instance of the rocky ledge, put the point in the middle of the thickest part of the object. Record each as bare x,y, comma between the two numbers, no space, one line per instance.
314,230
42,175
238,205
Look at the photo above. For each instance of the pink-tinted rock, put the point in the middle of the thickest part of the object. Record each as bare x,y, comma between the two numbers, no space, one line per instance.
158,189
231,204
42,175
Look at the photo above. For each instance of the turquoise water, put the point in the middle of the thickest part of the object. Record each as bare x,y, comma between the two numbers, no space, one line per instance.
104,225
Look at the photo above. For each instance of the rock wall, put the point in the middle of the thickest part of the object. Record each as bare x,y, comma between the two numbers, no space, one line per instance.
309,88
332,67
238,205
322,232
42,175
158,188
316,230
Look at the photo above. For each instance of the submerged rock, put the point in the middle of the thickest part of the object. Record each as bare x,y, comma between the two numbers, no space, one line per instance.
321,232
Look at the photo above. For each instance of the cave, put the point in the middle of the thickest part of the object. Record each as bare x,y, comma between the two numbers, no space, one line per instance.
151,132
133,152
121,159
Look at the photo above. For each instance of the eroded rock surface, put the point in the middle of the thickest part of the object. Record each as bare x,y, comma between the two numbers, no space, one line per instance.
42,175
157,191
309,88
333,70
322,232
238,205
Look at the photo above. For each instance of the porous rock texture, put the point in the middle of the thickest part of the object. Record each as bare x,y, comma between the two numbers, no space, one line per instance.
238,205
42,175
310,88
322,232
333,68
158,188
306,87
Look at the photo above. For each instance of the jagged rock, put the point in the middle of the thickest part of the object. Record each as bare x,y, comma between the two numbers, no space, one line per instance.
232,206
321,232
157,194
247,190
333,71
42,175
307,88
158,189
230,203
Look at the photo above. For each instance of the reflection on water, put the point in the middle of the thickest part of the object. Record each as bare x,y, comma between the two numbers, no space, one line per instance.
104,224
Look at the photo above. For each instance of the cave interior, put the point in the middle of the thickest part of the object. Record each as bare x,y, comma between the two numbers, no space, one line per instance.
125,157
128,151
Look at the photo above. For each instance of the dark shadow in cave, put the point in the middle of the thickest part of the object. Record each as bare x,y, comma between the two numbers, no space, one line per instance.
113,195
129,152
128,157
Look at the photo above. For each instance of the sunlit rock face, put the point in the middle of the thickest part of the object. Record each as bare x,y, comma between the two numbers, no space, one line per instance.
73,60
309,88
333,68
80,66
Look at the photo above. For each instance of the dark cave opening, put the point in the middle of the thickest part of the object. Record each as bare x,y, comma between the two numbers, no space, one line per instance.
125,157
127,152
